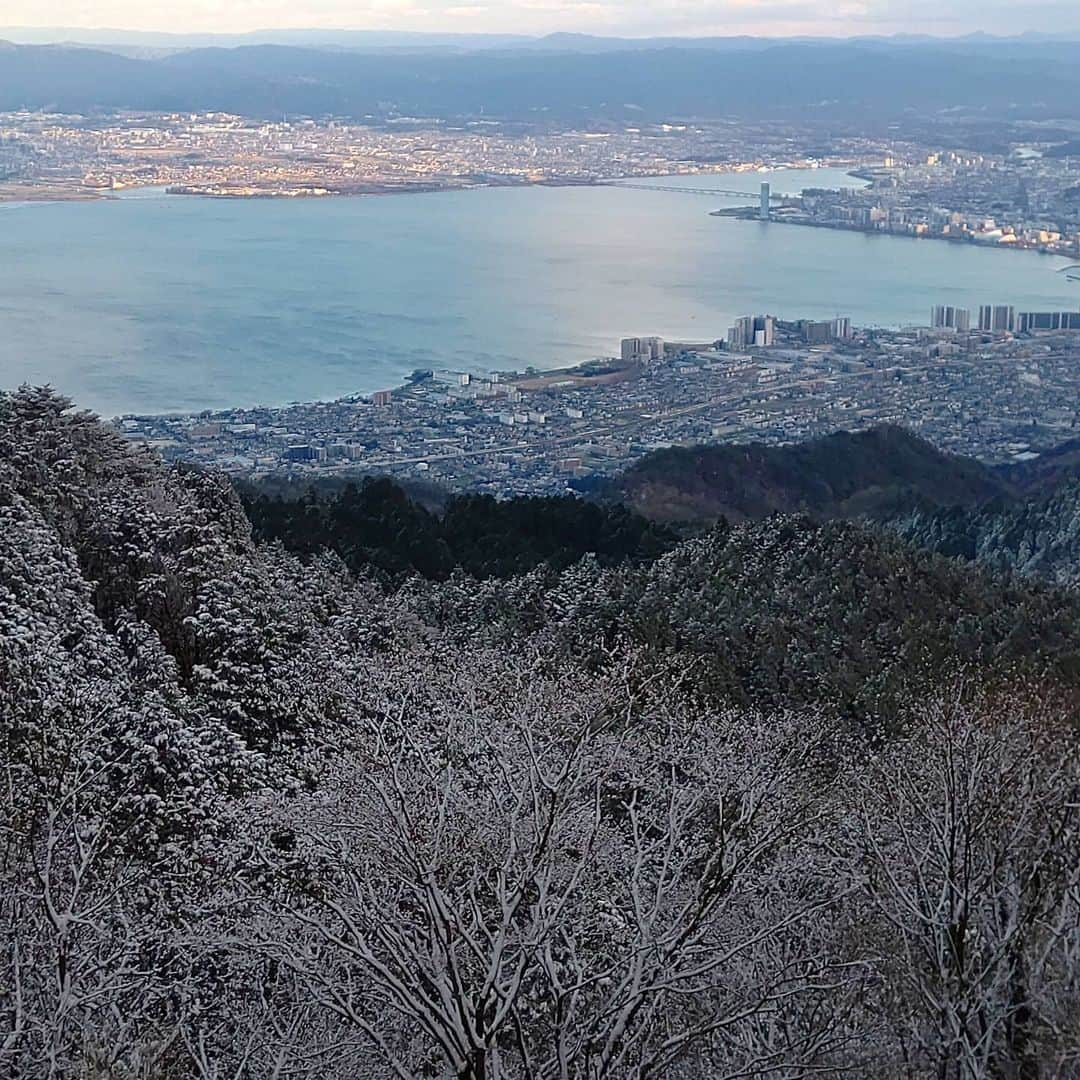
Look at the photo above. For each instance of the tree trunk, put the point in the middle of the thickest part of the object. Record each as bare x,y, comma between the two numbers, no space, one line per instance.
475,1067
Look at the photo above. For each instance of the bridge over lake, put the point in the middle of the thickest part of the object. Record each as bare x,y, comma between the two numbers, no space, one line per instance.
726,193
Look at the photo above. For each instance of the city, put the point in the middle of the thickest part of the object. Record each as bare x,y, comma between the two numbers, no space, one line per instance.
1027,200
1025,197
54,156
993,391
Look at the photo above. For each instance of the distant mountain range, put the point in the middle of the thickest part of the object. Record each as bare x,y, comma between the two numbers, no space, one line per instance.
566,79
556,42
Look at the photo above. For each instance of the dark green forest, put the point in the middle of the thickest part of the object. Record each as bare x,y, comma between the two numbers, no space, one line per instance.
374,524
872,474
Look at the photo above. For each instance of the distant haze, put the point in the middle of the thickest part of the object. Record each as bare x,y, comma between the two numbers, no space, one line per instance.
70,19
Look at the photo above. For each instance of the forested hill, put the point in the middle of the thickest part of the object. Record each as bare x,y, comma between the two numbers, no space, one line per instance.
679,814
1022,518
780,612
876,473
1041,474
1039,537
375,525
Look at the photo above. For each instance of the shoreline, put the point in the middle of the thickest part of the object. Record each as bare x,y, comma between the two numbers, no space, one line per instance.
677,329
43,195
750,213
358,396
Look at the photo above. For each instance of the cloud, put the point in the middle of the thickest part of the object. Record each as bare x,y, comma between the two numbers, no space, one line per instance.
468,11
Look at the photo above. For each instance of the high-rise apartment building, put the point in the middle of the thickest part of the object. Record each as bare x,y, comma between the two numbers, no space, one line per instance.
741,334
997,318
816,333
752,331
946,317
1028,321
641,350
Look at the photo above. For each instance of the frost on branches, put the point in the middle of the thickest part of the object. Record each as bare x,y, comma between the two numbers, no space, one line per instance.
721,816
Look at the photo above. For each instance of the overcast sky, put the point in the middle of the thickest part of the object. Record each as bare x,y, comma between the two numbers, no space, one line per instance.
623,17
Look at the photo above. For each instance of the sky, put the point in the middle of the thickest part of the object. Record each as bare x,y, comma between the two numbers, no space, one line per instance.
630,18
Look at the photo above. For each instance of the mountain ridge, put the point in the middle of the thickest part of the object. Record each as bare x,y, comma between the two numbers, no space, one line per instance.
873,473
846,80
343,37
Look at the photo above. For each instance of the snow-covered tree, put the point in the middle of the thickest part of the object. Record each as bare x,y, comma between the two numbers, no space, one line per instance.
971,849
570,875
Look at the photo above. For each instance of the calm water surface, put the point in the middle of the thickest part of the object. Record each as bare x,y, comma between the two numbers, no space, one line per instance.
153,303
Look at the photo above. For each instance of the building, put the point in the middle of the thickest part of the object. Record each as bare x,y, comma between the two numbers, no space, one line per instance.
741,334
841,328
382,397
752,331
946,317
641,350
305,452
344,451
1028,321
766,196
997,318
816,333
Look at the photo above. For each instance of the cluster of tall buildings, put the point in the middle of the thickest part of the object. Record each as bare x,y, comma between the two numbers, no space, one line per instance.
1003,318
641,350
752,331
1027,321
821,332
950,318
997,318
759,331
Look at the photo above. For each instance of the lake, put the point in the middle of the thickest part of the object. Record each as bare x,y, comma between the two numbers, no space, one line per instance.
155,303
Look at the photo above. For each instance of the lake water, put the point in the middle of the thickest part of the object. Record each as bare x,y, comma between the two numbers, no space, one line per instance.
154,303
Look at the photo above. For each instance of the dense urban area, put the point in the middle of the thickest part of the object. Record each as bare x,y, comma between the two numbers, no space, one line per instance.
1024,201
55,156
989,391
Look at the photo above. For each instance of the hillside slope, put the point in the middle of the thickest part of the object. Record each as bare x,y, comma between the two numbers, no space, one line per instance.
875,474
1042,474
1036,538
261,816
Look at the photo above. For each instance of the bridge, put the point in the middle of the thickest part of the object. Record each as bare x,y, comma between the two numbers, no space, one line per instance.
727,193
